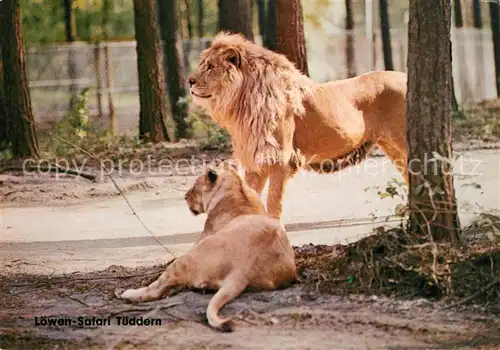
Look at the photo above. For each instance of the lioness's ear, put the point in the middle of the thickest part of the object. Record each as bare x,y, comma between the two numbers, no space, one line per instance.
212,176
234,57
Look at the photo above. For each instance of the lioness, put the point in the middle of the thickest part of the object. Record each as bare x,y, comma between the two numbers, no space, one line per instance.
280,121
240,247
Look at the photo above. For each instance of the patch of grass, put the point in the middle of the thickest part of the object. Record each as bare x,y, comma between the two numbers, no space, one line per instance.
478,121
207,134
395,264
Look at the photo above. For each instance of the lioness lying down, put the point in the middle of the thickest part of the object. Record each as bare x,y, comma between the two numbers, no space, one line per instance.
240,247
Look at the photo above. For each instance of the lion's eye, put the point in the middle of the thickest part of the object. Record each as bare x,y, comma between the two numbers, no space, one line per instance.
209,66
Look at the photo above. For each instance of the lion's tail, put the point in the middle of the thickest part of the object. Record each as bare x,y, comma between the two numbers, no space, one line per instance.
231,288
354,157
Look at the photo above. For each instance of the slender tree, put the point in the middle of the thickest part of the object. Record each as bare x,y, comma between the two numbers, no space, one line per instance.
153,111
236,16
457,8
386,35
270,40
70,31
174,64
290,33
433,208
495,31
20,127
187,15
261,10
349,27
201,32
476,14
107,8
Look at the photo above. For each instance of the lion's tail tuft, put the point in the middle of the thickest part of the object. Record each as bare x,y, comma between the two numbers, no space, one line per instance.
352,158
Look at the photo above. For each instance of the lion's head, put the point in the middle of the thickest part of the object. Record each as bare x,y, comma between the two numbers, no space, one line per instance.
209,187
250,91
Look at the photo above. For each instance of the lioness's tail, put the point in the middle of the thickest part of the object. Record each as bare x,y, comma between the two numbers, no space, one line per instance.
231,288
354,157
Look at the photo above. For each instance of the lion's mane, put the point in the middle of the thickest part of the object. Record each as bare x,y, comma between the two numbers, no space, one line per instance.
273,90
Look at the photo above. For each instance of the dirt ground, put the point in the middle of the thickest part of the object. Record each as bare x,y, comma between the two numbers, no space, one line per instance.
293,318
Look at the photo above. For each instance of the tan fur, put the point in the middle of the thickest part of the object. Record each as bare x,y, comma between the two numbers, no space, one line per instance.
241,247
280,121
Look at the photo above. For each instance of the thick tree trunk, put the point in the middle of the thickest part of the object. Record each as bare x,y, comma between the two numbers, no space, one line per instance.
385,28
261,10
153,112
495,31
457,8
290,33
271,35
236,16
20,129
174,64
476,11
349,27
201,31
433,209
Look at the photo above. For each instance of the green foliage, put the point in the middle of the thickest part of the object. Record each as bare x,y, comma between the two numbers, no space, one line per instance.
208,134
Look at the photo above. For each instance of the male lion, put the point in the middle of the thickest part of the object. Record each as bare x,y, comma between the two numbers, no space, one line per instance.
240,247
280,121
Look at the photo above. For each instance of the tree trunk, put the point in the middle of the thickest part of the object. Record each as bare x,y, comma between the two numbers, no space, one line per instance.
290,33
107,7
174,64
189,21
153,112
385,28
476,11
201,32
261,10
457,7
349,27
70,29
20,130
236,16
495,31
271,35
433,209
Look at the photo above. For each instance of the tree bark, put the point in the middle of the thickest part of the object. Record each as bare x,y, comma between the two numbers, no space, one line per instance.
349,27
433,209
236,16
20,128
70,29
153,111
271,35
476,11
107,7
201,31
495,31
189,21
385,28
174,64
261,10
290,33
457,7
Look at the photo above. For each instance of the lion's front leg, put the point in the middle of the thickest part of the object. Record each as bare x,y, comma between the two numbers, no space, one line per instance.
256,180
278,178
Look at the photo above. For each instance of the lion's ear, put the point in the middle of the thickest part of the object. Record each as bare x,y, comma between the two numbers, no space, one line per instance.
212,175
234,57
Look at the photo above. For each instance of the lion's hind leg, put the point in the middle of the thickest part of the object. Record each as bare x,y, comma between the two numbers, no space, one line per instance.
396,151
176,274
232,286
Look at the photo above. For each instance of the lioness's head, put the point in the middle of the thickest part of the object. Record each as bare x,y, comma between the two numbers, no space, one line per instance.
208,188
